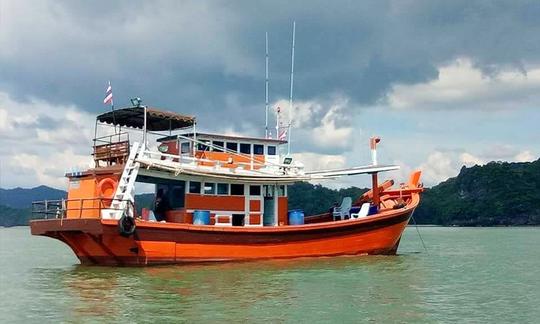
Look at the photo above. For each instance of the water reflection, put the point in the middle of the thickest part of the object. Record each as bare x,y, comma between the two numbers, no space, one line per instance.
351,288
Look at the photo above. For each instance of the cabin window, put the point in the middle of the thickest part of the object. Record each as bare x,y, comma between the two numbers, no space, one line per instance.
218,146
209,188
237,189
222,188
195,187
258,149
245,148
203,146
282,191
232,146
254,190
271,150
185,148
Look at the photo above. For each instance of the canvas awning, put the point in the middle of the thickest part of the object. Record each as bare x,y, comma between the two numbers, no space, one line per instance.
156,120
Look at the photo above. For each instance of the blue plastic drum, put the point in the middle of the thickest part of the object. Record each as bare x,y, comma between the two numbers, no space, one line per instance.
201,217
296,217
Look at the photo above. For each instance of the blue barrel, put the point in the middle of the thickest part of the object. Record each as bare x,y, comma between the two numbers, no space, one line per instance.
296,217
201,217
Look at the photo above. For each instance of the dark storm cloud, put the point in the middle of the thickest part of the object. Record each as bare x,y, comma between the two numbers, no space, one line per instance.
208,58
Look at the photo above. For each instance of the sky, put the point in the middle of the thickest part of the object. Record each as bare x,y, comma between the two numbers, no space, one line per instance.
445,84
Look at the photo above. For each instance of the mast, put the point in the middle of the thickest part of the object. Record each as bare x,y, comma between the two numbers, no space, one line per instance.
291,92
266,86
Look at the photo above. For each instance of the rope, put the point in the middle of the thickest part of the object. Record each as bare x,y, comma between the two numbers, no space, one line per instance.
418,231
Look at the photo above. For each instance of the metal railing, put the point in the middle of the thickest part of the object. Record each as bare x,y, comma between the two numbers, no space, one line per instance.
59,209
193,160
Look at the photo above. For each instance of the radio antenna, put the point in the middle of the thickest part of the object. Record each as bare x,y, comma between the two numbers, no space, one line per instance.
266,86
291,92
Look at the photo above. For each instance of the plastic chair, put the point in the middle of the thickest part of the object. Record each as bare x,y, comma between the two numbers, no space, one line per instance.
342,212
364,211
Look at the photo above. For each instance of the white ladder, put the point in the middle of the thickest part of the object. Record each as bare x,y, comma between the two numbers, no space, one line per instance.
125,191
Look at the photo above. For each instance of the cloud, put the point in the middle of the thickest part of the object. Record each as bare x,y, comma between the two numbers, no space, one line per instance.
49,169
525,156
314,161
469,159
34,153
190,56
441,165
322,126
461,85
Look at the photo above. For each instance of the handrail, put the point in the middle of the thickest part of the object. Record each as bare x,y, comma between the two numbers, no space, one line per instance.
110,137
60,208
183,159
110,149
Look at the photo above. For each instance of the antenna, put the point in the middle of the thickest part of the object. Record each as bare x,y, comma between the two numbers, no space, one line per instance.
266,86
277,123
292,83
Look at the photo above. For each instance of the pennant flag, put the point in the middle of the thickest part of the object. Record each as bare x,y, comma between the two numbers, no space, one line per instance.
108,95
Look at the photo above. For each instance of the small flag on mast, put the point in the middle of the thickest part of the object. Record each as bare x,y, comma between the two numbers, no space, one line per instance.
282,134
108,95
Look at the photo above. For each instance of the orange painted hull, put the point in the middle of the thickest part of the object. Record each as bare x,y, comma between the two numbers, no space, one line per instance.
98,242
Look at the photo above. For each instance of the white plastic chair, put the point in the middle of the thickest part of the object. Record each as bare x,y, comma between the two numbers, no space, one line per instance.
342,211
363,212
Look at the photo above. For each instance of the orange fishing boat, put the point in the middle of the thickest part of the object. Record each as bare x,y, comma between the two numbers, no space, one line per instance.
226,199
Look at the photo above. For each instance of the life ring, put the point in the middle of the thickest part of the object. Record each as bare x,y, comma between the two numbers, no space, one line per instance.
106,189
126,225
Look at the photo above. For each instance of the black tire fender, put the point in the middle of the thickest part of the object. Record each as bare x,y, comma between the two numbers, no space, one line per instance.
126,225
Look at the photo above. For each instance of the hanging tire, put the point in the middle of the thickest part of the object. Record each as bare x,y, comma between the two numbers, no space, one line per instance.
126,225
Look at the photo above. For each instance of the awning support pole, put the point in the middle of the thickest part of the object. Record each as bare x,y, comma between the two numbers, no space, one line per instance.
375,189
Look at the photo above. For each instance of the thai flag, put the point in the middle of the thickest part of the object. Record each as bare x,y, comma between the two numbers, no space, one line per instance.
282,134
108,95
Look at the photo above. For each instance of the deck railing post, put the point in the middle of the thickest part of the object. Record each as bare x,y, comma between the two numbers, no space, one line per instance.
81,202
64,208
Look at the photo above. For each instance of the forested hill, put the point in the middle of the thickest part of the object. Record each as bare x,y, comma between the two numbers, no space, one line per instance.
22,197
497,193
489,195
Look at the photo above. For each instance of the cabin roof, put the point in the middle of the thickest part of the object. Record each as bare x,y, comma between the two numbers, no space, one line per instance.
224,137
156,120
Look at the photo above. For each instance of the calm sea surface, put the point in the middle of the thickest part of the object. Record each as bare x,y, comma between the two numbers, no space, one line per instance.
484,275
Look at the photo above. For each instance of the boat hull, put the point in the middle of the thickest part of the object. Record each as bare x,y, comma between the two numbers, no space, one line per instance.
98,242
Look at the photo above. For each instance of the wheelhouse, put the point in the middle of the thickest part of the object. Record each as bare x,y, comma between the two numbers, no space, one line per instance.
230,203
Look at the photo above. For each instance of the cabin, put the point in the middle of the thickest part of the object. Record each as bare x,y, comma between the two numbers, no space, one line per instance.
230,201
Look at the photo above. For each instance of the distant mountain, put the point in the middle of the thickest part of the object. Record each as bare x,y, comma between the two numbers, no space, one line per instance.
498,193
22,198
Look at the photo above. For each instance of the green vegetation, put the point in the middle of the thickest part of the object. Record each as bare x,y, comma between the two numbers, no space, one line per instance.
316,199
494,194
14,216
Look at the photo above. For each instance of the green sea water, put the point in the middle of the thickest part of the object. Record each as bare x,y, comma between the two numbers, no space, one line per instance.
467,275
